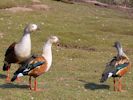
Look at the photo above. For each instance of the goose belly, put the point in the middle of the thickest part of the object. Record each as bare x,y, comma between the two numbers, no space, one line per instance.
39,69
22,53
122,71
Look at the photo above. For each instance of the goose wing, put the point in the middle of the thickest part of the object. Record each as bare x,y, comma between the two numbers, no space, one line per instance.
10,56
10,49
116,67
27,67
25,70
109,69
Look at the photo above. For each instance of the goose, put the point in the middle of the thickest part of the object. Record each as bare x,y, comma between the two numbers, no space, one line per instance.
37,65
17,52
117,67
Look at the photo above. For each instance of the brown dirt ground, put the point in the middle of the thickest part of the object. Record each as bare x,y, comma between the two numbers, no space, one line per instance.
36,5
33,7
18,9
36,1
1,35
68,46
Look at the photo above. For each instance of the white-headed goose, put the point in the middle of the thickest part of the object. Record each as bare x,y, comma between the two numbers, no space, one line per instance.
20,51
38,65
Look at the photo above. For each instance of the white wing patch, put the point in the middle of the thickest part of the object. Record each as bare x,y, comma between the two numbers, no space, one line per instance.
110,74
26,70
20,75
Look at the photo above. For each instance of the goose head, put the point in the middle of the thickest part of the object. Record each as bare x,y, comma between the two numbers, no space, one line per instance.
119,48
117,44
31,28
53,39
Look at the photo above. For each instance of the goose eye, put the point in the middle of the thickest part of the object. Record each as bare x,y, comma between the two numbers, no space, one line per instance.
32,27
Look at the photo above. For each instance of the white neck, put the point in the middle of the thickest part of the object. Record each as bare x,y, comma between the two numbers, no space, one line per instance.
25,40
23,48
47,54
120,51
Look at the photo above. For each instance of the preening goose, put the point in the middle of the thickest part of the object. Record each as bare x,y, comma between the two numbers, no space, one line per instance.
20,51
37,65
117,67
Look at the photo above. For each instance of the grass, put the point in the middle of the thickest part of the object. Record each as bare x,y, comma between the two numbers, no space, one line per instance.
88,31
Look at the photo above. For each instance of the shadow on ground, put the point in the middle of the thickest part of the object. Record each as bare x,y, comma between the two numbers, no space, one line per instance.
2,76
94,86
11,85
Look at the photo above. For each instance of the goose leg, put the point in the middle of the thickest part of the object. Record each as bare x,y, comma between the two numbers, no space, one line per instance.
8,75
30,83
114,84
119,85
124,84
35,85
18,79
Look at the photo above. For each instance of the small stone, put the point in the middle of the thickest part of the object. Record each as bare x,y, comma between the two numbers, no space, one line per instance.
32,98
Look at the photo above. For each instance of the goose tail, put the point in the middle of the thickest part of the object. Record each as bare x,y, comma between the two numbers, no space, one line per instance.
16,76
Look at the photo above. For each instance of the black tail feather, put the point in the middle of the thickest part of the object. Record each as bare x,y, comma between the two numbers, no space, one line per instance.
104,77
20,70
14,78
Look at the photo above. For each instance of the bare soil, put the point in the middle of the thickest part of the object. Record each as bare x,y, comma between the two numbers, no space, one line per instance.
18,9
36,5
68,46
1,35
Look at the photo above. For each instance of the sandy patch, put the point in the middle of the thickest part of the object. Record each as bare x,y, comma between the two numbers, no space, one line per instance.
36,1
39,7
33,7
1,35
18,9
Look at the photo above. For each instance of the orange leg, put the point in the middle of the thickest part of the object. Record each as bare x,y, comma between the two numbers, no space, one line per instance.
30,83
124,84
114,84
18,79
119,85
8,75
35,85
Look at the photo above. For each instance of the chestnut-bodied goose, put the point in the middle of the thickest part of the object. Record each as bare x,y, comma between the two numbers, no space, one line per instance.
38,65
117,67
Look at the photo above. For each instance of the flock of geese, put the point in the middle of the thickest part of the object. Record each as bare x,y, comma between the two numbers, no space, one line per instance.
34,66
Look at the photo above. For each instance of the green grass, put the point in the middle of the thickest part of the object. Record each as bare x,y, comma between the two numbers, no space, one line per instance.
88,31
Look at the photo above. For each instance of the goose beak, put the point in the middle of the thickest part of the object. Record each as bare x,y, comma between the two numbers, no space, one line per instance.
57,43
